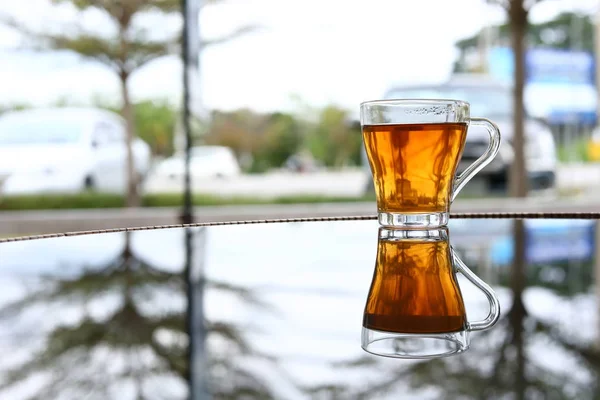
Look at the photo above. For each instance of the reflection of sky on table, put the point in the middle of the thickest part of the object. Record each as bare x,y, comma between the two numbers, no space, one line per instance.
315,275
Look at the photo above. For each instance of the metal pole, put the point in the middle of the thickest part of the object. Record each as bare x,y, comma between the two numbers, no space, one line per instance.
187,217
197,361
195,248
186,212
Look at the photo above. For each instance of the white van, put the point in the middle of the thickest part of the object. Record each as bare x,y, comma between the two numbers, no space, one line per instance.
493,100
66,150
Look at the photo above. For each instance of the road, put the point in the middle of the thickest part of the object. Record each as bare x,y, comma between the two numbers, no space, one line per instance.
347,183
16,223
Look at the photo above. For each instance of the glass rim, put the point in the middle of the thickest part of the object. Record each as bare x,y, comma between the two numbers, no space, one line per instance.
427,234
414,101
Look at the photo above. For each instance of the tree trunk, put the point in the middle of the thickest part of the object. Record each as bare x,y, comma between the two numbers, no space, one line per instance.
518,188
133,199
518,21
518,24
518,280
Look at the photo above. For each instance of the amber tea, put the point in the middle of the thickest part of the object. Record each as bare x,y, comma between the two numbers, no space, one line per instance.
414,289
414,165
414,147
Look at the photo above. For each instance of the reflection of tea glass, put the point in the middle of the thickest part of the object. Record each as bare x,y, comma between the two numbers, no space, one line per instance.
415,308
414,148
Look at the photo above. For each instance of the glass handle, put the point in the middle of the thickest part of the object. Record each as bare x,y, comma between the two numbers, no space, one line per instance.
494,313
485,159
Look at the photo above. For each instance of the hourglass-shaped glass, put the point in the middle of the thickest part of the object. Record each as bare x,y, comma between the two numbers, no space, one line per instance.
415,307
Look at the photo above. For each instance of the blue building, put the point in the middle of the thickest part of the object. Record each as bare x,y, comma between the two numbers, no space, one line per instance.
560,84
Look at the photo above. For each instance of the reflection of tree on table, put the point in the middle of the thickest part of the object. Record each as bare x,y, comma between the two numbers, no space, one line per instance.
139,345
501,362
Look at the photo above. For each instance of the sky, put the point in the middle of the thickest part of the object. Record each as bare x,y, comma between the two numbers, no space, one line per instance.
309,52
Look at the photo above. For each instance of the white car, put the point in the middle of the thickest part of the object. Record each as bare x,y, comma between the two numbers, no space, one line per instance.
206,162
493,100
66,150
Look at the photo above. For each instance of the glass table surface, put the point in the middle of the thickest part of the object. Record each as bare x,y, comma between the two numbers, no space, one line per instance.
276,311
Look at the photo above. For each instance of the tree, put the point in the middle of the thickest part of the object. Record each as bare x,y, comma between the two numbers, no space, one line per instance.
502,363
127,332
487,370
282,139
518,15
557,33
124,53
155,121
242,130
270,139
332,140
156,125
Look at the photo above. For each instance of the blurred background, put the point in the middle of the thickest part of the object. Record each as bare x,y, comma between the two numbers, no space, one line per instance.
99,122
93,110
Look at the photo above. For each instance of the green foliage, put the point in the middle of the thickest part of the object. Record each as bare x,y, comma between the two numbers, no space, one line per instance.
241,130
130,48
507,4
155,122
332,140
270,139
125,7
122,57
282,139
175,200
267,140
576,151
56,202
105,200
124,52
556,33
14,107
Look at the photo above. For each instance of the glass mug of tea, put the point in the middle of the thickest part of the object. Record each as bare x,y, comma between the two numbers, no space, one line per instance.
414,148
415,307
